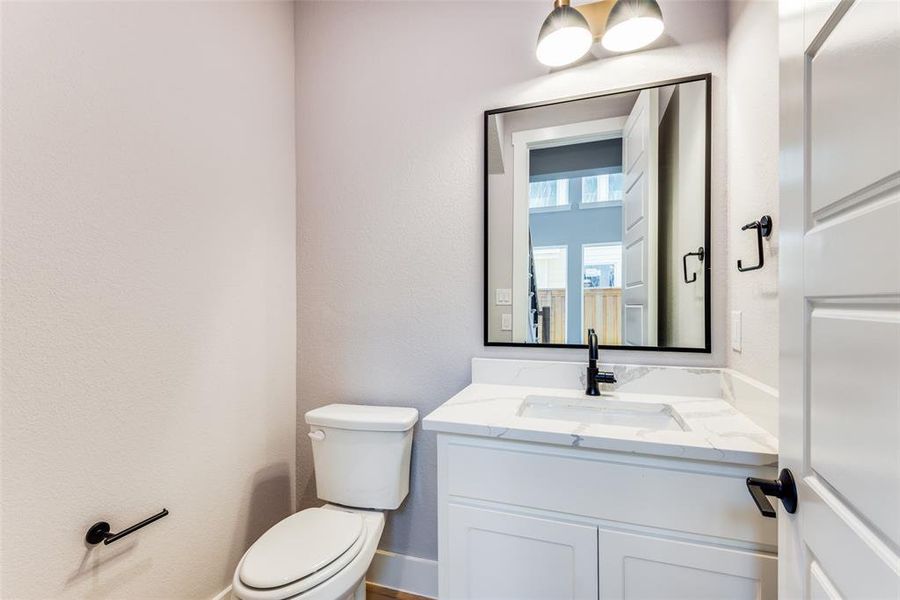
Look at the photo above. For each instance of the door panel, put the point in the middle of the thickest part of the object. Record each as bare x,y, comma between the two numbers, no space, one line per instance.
849,454
634,140
639,222
496,555
634,264
839,292
634,202
634,325
859,565
854,130
820,587
834,245
639,567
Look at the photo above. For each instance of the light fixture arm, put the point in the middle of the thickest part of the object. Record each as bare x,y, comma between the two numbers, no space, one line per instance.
595,13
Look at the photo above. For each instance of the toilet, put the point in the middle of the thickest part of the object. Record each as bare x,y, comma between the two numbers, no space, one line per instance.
361,457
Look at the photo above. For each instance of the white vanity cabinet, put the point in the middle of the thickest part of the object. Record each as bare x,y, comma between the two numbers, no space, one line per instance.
521,520
498,554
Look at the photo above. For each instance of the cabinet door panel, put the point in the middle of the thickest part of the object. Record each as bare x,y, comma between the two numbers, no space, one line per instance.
500,556
638,567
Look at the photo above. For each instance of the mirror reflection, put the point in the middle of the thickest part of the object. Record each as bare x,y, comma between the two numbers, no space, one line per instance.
597,214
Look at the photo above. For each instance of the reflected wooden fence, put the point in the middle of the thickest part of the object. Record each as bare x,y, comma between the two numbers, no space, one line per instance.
602,312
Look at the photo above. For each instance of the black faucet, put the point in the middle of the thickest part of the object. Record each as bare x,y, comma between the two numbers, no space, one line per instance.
594,375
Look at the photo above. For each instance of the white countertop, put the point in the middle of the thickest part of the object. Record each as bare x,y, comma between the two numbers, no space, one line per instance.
716,430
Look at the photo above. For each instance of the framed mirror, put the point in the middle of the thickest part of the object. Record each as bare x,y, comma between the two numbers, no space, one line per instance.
597,217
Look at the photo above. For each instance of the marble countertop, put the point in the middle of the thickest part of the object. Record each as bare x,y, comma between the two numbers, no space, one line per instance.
714,429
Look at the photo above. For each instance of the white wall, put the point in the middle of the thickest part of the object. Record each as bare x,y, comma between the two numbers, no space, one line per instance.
685,304
148,292
389,111
753,182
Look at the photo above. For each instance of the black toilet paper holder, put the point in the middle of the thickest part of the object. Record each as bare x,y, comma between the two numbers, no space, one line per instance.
100,531
763,229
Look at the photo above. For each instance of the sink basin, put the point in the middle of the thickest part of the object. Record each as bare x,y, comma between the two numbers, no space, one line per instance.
603,411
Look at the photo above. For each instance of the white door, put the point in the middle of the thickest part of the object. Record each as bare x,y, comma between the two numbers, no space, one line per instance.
644,567
839,293
639,221
494,555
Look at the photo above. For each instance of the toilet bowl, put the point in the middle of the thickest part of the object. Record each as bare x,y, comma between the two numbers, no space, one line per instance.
322,569
361,456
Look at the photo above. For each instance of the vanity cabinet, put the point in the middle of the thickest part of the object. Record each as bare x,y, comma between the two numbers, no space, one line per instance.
520,520
650,566
496,554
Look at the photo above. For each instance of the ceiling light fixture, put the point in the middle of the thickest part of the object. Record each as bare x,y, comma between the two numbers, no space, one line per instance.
565,36
632,24
621,25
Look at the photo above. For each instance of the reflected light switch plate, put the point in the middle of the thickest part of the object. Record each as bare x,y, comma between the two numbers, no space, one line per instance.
503,297
736,330
506,322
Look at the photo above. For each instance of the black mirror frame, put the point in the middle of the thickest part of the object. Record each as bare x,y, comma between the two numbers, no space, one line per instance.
707,77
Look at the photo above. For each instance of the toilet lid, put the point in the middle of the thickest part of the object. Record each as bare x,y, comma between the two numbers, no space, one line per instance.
299,545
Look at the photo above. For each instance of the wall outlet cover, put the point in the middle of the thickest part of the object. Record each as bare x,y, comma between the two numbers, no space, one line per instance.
506,321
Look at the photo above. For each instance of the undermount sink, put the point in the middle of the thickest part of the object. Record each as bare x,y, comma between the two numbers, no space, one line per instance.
603,411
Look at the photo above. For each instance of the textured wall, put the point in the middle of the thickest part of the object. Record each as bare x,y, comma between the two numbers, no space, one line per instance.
682,185
148,292
753,183
389,165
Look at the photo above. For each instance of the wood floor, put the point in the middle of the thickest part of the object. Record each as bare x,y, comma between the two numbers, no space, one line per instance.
376,592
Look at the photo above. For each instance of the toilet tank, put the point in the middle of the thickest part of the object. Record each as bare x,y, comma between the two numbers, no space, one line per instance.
361,453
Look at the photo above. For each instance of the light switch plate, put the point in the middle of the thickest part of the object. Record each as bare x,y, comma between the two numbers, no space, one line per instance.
503,297
736,330
506,322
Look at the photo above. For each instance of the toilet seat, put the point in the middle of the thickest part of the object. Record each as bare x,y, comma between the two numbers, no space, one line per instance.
301,552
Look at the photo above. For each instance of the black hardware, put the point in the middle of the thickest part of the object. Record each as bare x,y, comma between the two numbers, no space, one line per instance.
99,532
605,377
783,488
545,324
700,253
595,375
763,228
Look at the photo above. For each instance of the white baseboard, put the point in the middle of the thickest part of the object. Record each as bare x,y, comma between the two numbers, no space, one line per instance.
406,573
223,595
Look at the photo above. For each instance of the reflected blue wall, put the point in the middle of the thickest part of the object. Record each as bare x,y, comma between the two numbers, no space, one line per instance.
573,227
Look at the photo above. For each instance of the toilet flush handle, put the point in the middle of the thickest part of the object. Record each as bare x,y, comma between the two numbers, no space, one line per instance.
317,435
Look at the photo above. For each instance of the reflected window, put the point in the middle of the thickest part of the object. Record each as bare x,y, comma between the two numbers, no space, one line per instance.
602,188
548,194
602,266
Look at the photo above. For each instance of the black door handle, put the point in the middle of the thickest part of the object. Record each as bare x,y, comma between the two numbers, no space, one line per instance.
783,488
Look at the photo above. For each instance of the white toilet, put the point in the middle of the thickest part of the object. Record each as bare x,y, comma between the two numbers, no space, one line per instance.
361,456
